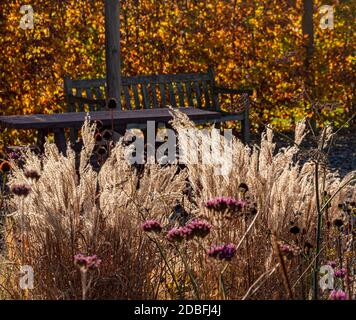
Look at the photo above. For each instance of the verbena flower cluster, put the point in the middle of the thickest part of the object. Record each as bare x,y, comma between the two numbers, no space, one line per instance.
222,252
152,226
224,203
340,273
338,295
196,228
176,234
87,262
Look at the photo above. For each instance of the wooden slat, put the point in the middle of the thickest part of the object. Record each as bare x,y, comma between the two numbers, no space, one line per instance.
215,98
163,95
76,119
98,93
146,98
197,93
136,96
90,96
172,98
164,78
127,97
206,94
80,94
85,83
68,91
189,94
154,96
180,94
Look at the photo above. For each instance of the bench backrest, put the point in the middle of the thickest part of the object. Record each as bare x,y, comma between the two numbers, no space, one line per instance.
148,91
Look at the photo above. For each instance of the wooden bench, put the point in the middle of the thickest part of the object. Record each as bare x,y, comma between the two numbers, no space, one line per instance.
156,91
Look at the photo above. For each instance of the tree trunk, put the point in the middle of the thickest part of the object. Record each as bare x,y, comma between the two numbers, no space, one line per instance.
112,49
308,29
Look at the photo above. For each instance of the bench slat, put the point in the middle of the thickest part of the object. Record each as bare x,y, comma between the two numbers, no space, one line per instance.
154,96
189,93
198,94
90,96
145,97
79,94
127,97
171,95
136,96
76,119
206,94
162,90
164,78
180,94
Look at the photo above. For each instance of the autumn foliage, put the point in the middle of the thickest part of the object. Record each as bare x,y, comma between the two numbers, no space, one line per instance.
258,44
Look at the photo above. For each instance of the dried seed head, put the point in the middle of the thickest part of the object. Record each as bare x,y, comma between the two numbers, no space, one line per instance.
338,223
112,104
307,248
98,137
99,125
21,190
294,230
32,174
102,151
107,135
5,167
243,187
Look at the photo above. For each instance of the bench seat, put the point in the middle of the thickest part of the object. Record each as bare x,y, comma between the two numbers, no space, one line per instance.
155,91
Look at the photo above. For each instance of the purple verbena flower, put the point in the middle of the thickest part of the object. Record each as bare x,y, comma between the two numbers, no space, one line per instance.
285,248
176,234
338,295
224,203
151,226
14,155
197,228
340,273
87,262
222,252
332,264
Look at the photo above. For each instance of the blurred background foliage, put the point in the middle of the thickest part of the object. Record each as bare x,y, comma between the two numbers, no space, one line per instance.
258,44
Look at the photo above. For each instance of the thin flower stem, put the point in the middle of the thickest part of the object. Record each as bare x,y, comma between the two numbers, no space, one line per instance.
221,281
168,266
318,232
306,270
83,276
191,276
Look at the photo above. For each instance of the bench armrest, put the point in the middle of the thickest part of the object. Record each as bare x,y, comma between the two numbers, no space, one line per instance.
82,100
224,90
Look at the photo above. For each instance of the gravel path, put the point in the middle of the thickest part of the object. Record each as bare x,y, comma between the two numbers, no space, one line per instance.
342,155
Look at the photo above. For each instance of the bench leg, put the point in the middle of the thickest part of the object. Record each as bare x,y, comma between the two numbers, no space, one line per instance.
73,136
246,130
60,140
120,129
41,139
246,124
